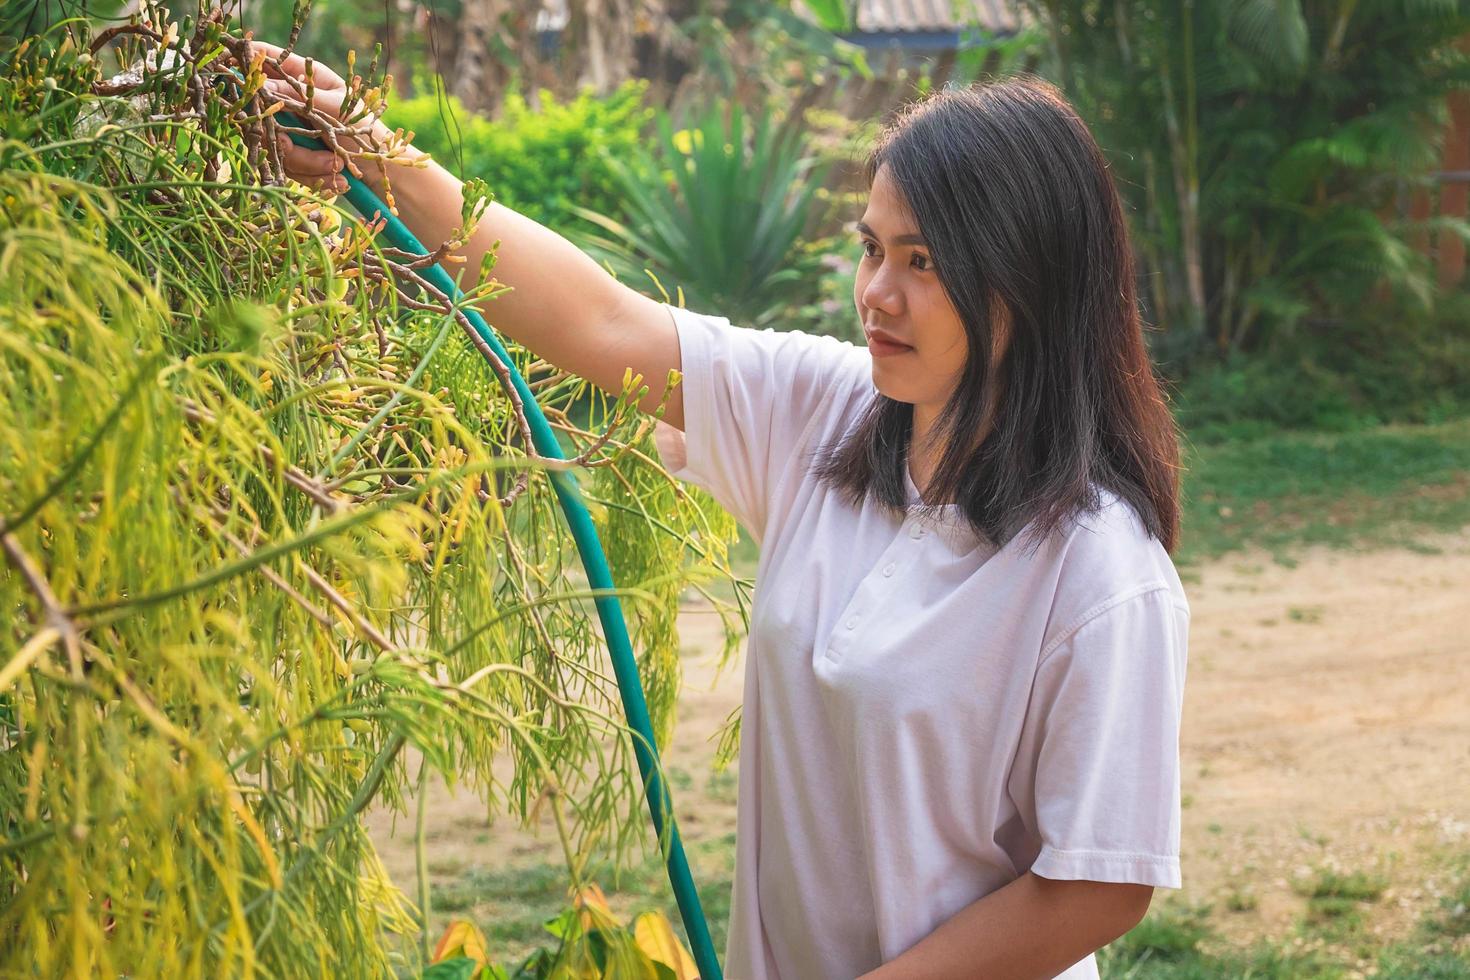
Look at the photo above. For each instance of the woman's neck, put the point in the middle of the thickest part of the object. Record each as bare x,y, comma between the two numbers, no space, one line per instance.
923,458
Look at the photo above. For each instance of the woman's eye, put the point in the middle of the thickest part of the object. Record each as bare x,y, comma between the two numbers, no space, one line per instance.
925,264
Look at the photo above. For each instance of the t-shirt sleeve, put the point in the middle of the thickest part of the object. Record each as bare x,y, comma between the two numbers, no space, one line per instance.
749,397
1104,726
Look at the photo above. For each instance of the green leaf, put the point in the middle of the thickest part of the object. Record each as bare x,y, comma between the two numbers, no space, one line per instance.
459,968
831,14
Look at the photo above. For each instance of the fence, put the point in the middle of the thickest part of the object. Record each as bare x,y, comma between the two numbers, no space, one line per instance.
1449,197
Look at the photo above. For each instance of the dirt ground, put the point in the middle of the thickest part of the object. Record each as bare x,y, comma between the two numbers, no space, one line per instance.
1326,726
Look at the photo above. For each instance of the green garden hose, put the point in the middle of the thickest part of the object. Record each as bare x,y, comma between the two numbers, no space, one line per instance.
594,560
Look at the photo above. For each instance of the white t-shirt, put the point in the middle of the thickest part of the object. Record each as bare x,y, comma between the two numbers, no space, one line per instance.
925,717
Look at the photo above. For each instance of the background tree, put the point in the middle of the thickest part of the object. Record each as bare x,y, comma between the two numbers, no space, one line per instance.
1256,141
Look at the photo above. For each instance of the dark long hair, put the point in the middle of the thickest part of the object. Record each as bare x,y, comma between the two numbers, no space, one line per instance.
1023,224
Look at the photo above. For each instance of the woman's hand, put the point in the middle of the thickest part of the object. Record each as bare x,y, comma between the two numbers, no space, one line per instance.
319,169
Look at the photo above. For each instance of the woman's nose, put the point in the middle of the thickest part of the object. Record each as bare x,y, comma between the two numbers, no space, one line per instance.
882,293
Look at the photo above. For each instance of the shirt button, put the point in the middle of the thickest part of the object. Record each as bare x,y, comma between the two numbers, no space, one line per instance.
916,532
852,623
888,570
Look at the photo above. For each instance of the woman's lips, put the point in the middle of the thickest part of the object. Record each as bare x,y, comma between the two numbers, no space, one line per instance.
883,348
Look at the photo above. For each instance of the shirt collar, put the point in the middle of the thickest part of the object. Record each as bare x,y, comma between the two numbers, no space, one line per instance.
948,521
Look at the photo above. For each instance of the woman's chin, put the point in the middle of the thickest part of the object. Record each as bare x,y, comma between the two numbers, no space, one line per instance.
888,389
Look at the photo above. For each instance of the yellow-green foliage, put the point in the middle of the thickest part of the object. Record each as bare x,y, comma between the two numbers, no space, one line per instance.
255,574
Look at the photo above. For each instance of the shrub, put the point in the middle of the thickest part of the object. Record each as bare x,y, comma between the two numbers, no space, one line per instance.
723,221
268,523
1353,374
540,163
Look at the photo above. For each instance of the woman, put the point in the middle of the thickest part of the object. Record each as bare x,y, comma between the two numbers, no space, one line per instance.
966,663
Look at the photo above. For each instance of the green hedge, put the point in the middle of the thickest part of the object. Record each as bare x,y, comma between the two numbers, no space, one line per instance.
539,163
1354,374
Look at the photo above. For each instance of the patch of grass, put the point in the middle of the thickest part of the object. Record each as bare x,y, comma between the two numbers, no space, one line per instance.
1306,834
1240,900
745,554
1454,920
453,897
1173,943
1350,488
445,866
1262,962
715,861
721,786
1430,954
1305,614
1178,942
511,905
1450,923
1356,886
712,864
1173,931
1344,914
1408,963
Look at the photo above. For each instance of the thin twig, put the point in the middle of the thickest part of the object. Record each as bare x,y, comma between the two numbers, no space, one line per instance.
56,616
290,473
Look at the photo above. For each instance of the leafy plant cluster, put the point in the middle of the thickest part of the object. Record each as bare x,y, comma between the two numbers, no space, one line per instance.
275,544
725,219
589,942
541,163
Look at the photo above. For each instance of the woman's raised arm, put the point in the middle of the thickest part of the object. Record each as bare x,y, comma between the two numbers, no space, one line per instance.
563,306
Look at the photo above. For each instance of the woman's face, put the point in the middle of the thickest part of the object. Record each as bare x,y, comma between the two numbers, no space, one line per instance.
898,293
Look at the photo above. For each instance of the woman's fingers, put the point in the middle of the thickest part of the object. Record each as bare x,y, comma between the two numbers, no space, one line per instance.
295,66
317,169
331,183
327,87
328,185
327,100
299,159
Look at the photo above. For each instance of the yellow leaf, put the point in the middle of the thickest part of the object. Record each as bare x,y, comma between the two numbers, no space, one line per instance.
273,870
462,939
593,909
590,896
329,221
655,936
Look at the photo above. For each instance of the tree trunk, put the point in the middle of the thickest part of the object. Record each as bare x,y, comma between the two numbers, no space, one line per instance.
488,28
602,34
1183,146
